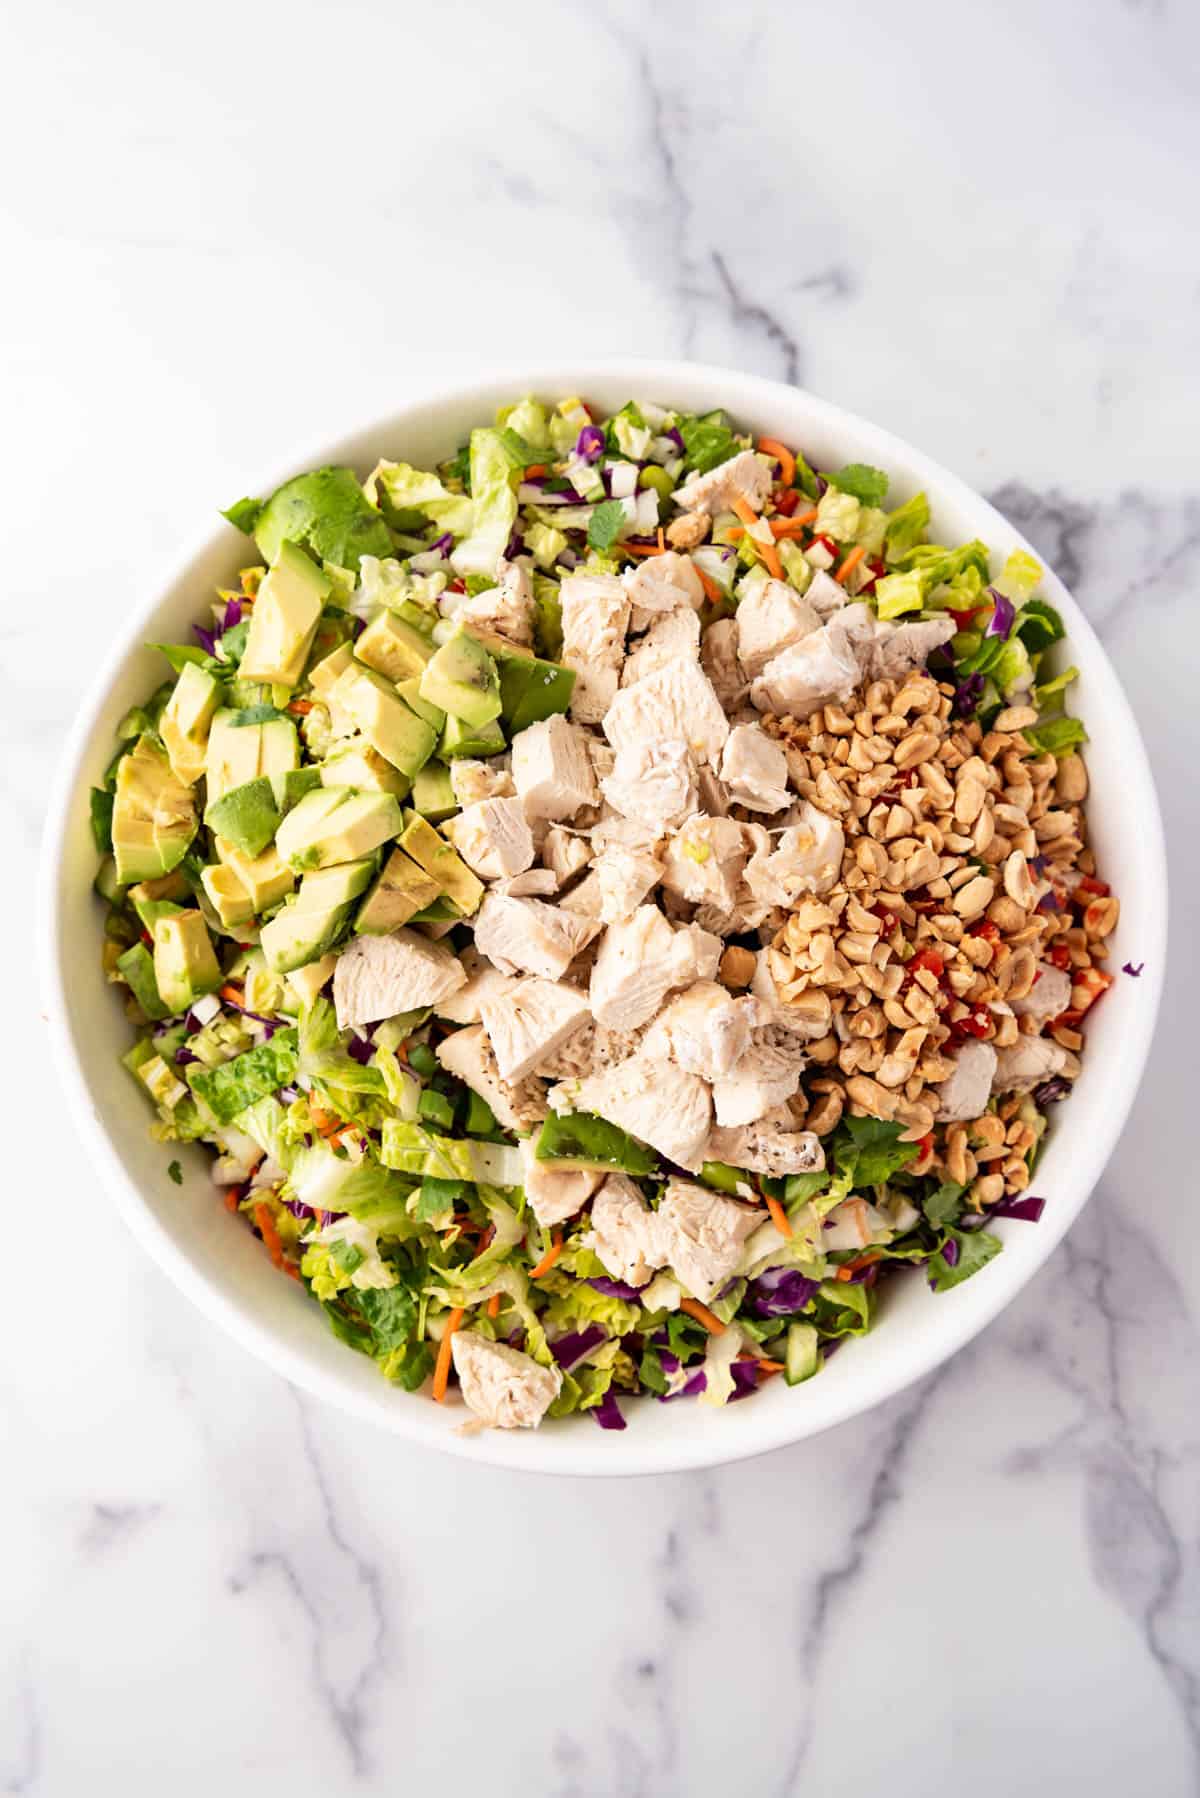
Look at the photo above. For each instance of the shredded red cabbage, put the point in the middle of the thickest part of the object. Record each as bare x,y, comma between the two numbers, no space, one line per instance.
271,1025
183,1055
745,1380
590,443
613,1289
205,639
608,1413
1128,968
950,1252
1003,617
233,613
359,1049
1027,1210
576,1345
695,1383
443,544
514,547
967,695
781,1291
1051,1091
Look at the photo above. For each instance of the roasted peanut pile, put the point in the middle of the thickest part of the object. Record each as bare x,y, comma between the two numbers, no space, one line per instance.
965,865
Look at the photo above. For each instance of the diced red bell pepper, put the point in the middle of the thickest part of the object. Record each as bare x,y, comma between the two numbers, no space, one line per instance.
786,500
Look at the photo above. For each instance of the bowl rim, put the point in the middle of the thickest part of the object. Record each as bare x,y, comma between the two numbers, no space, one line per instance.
549,1451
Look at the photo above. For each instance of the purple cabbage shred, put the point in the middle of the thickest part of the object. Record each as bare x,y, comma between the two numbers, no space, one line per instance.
205,639
1028,1211
967,695
1128,968
1003,617
443,544
233,613
1051,1091
745,1380
590,443
359,1049
780,1292
608,1413
950,1253
183,1055
575,1346
613,1289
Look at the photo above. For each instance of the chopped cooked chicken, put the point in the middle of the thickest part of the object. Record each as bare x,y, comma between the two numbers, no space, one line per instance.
641,959
1049,994
626,874
664,583
809,674
585,898
506,608
806,859
719,660
472,781
565,853
705,1031
554,1195
624,1235
589,1051
535,883
744,476
505,1388
654,783
654,1101
483,982
468,1054
824,595
896,649
526,935
529,1022
552,770
965,1095
770,618
772,1146
754,768
766,1076
676,703
378,976
671,634
704,861
701,1234
1030,1061
493,837
595,616
714,794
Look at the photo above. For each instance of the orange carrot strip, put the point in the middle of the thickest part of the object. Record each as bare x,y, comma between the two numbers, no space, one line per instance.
662,542
548,1259
850,564
702,1315
299,708
641,549
848,1269
711,589
770,446
441,1372
768,552
493,1305
270,1235
768,1367
231,993
779,1217
535,471
792,527
231,1199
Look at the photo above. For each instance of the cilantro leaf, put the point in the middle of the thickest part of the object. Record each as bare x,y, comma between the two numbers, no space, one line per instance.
605,524
867,484
870,1150
175,1172
943,1204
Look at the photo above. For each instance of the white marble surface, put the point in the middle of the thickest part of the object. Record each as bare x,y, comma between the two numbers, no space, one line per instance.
231,232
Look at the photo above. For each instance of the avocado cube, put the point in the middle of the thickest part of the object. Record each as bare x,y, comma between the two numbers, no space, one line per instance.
306,982
311,923
239,753
278,747
246,816
153,819
137,969
394,648
467,739
534,690
397,895
399,736
336,824
106,882
463,680
185,966
229,898
432,852
186,719
356,764
283,624
323,674
289,788
432,793
266,878
410,693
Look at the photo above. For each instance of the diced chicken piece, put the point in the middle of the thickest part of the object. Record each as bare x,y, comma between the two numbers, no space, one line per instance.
565,853
714,794
472,781
670,635
468,1055
626,875
483,982
896,649
819,668
589,1051
783,1016
766,1076
772,1146
754,768
505,1388
506,608
806,859
770,618
493,837
676,704
529,1022
552,770
535,883
636,968
602,756
664,583
378,976
719,660
1030,1061
825,595
702,1234
651,1099
528,936
624,1233
704,1031
704,861
698,952
653,782
1049,994
965,1095
554,1196
585,899
595,616
744,476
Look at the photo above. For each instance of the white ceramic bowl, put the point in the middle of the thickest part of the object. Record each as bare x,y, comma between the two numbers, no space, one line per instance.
217,1263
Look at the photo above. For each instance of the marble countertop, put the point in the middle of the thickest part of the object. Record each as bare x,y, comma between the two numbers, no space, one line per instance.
232,236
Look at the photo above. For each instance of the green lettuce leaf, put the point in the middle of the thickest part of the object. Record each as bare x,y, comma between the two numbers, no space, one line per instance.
244,515
237,1084
707,442
494,470
1056,735
906,527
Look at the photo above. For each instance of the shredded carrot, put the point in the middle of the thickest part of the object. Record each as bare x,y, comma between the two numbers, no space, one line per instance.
662,542
291,1270
231,1199
779,1217
712,591
848,1269
745,510
702,1315
300,708
851,562
794,526
549,1258
770,446
768,1367
767,551
493,1305
441,1372
329,1126
233,994
640,549
270,1235
535,471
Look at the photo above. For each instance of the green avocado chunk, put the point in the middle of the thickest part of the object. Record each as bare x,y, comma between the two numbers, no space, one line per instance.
185,966
394,648
431,851
432,793
337,824
399,893
410,692
137,968
311,923
580,1141
246,816
283,624
459,739
463,680
395,732
154,819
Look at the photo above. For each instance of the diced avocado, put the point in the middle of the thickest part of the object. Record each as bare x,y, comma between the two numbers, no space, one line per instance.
154,819
441,910
432,852
229,898
266,877
432,793
394,648
336,824
306,982
469,739
185,966
239,753
400,737
106,882
399,893
309,926
355,764
533,690
410,693
463,680
581,1141
279,747
328,510
289,789
186,718
283,624
167,886
137,969
246,816
323,674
